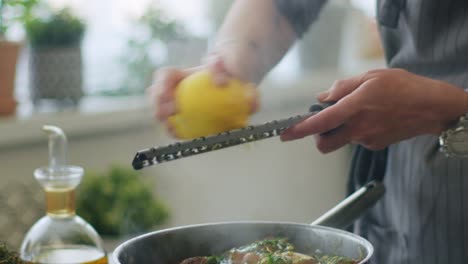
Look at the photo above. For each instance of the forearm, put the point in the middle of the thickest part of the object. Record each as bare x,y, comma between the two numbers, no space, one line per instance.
253,38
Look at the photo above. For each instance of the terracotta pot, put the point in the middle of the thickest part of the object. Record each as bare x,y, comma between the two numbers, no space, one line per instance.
9,52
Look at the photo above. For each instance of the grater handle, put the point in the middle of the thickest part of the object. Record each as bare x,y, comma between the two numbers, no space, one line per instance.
317,107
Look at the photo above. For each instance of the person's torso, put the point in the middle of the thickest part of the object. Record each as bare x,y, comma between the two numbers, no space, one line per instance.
422,217
426,37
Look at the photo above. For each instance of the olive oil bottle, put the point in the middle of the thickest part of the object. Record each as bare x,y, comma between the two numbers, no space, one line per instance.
61,236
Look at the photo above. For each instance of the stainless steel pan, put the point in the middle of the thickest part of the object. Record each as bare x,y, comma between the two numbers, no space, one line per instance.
171,246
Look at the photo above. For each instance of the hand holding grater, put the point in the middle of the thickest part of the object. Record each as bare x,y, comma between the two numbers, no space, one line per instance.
156,155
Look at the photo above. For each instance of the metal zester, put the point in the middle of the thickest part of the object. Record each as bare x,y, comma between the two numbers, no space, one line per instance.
156,155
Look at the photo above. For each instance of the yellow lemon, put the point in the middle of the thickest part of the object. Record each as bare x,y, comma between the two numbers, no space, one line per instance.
204,109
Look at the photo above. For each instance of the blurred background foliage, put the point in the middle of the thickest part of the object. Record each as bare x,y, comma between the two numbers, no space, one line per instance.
15,11
61,29
119,202
143,50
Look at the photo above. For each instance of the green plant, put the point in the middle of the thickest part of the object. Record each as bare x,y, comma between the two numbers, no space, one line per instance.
119,203
153,27
62,29
9,257
15,11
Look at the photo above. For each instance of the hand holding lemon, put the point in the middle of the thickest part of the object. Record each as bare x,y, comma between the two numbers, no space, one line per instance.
201,102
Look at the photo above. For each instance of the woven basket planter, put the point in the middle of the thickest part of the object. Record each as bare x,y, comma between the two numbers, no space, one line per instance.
56,73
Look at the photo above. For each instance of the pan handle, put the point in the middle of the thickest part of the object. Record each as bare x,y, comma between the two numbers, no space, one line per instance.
350,209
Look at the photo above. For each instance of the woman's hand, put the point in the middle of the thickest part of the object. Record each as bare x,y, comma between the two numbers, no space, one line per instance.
162,92
382,107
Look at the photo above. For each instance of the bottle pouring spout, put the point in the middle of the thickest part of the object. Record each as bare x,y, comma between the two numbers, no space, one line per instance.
57,149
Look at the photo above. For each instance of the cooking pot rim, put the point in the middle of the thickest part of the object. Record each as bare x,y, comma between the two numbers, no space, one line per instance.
360,240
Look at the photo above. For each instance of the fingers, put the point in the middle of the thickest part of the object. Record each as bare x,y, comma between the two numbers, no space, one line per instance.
329,125
254,105
334,139
217,66
171,130
341,88
165,110
221,76
326,120
163,90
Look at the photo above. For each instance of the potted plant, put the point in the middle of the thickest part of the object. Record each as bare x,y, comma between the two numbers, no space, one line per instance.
56,63
151,32
11,12
119,203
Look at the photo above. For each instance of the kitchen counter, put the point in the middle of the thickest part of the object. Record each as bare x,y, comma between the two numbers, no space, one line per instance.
264,180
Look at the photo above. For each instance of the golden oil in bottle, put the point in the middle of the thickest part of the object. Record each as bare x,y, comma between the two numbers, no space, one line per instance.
60,201
69,255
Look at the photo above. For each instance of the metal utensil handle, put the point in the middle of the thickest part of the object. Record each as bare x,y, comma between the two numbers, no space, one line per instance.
156,155
317,107
350,209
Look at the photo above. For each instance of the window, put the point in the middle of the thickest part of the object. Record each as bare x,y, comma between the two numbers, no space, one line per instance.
110,26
